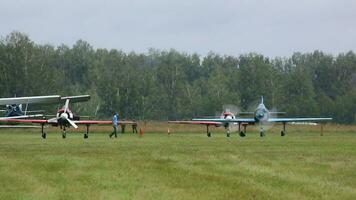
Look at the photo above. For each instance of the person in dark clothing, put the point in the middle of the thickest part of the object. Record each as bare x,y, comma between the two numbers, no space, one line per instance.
134,127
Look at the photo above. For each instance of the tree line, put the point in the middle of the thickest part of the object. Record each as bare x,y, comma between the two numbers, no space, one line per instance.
167,84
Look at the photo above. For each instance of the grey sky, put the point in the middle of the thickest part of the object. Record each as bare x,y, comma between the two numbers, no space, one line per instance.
273,28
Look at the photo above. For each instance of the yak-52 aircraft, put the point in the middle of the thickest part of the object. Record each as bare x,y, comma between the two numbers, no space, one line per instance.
65,118
223,120
261,116
14,108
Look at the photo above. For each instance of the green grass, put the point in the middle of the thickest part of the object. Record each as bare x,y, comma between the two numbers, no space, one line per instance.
302,165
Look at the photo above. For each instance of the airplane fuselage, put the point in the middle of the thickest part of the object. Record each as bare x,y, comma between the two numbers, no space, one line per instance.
261,114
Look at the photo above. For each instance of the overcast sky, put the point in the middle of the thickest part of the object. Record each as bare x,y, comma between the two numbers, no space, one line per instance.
229,27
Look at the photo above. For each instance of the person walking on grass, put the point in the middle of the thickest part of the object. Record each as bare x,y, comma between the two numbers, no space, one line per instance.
115,120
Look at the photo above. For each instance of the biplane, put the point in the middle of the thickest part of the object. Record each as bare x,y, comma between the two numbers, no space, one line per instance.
65,118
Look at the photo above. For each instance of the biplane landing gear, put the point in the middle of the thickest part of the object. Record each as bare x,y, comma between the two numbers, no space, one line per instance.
86,135
43,133
64,132
283,132
207,131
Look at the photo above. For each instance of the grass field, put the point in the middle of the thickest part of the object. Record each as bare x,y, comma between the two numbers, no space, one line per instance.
302,165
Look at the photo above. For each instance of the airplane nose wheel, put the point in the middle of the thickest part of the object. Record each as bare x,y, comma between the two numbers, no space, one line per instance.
64,133
262,134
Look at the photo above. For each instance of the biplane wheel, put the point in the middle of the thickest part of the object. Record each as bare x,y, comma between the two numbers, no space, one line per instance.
63,135
227,134
242,134
208,134
86,136
262,134
44,135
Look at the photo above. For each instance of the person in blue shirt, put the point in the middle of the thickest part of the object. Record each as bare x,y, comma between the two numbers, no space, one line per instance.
115,120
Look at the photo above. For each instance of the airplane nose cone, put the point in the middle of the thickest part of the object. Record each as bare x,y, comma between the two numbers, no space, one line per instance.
64,116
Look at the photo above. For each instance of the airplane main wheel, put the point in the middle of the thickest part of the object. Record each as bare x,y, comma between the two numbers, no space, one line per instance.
208,134
63,135
262,134
86,136
44,135
227,134
242,134
283,133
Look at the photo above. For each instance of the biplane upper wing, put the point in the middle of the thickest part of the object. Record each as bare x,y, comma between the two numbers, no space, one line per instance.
30,100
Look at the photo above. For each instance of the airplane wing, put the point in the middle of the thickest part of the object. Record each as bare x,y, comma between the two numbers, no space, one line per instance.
196,122
30,100
239,120
89,122
54,121
298,119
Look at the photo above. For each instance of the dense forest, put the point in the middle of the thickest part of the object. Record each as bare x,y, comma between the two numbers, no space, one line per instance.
161,85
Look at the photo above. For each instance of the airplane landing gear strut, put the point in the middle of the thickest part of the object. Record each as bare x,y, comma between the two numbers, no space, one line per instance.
207,131
283,132
42,132
64,132
228,131
86,135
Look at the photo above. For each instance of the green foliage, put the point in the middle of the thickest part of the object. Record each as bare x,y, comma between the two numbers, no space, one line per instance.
161,85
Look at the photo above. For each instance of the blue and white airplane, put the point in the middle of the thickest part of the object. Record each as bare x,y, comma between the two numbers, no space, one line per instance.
261,116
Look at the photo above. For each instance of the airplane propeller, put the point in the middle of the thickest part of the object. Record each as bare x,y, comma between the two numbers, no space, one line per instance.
64,115
234,110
